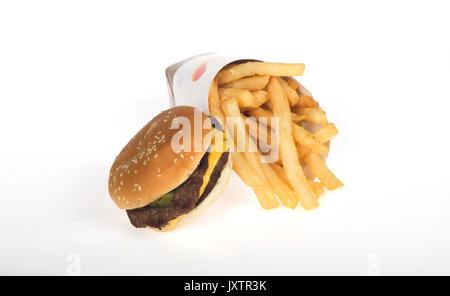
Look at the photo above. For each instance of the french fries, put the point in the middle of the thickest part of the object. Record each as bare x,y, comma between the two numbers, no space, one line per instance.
288,152
284,193
264,193
265,110
243,169
325,133
214,103
322,172
239,71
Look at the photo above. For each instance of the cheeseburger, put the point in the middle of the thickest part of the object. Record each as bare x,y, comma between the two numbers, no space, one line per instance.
171,170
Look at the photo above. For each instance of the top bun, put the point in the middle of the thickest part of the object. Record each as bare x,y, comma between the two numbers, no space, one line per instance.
148,167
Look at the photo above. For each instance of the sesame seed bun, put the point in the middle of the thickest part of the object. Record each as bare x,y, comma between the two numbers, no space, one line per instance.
148,167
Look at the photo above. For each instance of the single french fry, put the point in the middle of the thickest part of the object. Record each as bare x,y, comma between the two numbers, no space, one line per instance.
288,151
214,103
239,71
260,112
307,102
249,83
325,133
305,138
265,197
322,172
244,97
290,93
312,115
261,97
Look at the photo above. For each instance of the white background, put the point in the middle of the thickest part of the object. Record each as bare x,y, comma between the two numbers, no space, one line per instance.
79,78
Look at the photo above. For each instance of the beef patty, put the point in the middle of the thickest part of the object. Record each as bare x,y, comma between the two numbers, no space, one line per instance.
185,197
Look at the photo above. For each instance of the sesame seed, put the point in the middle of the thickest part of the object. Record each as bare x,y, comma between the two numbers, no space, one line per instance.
191,157
156,155
134,160
145,162
139,188
175,160
135,171
181,155
159,175
121,183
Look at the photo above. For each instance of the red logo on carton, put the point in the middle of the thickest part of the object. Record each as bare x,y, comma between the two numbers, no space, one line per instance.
200,70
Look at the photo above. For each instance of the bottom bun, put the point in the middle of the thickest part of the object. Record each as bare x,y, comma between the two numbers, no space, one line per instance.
208,201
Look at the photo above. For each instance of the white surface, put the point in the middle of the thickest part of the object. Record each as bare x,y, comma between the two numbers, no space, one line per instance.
78,79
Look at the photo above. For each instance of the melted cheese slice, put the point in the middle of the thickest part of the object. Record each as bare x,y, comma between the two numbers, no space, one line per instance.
217,148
